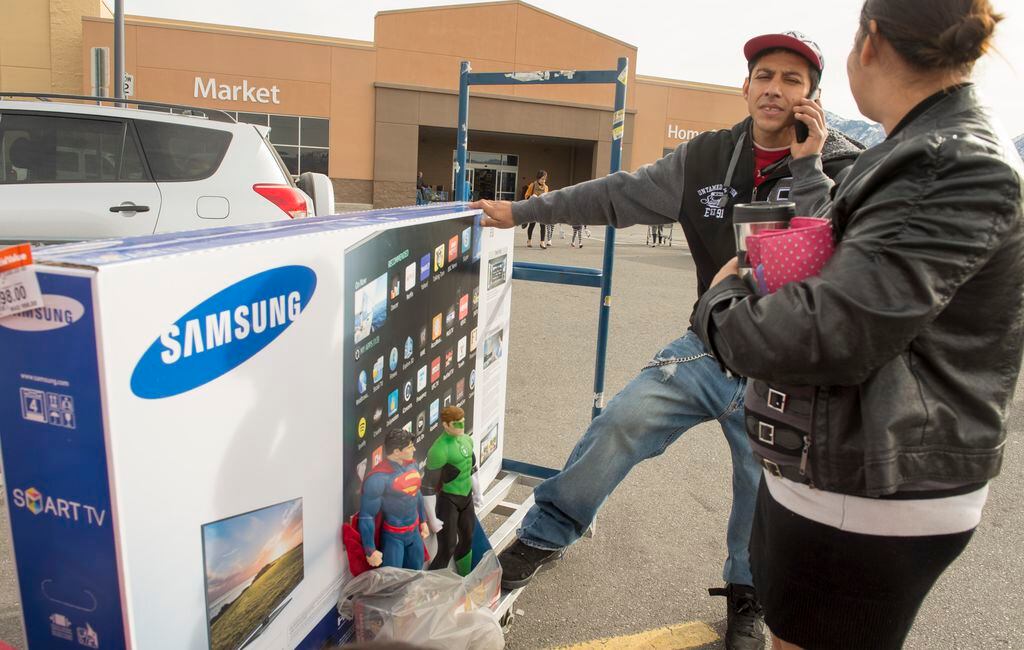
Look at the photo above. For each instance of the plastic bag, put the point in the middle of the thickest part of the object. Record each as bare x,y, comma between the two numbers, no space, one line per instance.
432,609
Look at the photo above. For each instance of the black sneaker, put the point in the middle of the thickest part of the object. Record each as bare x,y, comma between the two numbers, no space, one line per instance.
519,563
745,621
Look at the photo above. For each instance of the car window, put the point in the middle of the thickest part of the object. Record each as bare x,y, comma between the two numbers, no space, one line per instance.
177,152
64,149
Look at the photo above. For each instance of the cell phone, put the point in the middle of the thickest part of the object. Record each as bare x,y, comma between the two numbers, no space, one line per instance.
802,132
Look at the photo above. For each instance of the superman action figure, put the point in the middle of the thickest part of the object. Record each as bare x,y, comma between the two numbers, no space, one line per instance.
392,488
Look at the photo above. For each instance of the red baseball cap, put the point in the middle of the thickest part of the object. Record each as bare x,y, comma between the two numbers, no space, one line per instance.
794,41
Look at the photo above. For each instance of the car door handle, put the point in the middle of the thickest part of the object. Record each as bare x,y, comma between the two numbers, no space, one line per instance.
129,208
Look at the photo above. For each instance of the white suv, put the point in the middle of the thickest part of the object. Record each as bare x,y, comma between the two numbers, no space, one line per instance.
71,171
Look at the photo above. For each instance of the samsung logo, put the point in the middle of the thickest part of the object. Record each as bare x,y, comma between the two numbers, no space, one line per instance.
225,326
56,312
223,332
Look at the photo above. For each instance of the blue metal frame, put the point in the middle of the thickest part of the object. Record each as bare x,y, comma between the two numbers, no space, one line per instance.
574,275
546,272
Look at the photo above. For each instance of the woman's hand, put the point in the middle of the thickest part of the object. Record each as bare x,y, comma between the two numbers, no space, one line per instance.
811,114
732,267
497,214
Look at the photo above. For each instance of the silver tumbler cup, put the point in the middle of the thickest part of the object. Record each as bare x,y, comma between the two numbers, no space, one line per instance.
752,218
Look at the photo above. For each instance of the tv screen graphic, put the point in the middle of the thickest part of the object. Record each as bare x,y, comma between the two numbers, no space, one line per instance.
414,357
371,307
489,444
253,562
493,347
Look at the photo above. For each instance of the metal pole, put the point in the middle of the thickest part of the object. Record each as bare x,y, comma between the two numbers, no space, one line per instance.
461,189
604,313
119,50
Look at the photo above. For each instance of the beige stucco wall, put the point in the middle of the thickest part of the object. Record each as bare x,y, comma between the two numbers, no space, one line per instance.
423,47
417,48
671,112
313,76
40,44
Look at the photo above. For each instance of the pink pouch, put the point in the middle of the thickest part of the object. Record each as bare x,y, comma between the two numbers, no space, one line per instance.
790,255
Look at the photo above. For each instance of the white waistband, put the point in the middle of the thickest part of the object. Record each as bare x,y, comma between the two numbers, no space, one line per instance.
887,517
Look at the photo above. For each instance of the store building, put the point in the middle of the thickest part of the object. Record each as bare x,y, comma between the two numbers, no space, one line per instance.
373,114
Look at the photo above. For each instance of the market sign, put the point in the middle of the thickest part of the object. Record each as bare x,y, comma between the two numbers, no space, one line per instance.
243,92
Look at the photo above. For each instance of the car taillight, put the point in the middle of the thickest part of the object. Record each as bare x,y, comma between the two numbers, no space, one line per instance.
286,197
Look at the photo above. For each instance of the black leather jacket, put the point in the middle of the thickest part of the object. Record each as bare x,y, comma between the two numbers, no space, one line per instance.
913,331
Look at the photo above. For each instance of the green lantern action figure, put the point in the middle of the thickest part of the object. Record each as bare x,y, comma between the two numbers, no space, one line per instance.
451,491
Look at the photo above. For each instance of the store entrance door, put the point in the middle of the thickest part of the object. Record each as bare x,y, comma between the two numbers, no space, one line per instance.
490,176
485,182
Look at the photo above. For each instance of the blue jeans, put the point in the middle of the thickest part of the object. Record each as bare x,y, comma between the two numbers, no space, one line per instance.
682,387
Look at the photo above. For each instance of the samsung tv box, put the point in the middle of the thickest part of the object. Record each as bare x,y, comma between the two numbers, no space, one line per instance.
185,421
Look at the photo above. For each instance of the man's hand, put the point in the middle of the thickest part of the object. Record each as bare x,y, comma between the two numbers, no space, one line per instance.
375,558
732,267
812,114
424,530
497,214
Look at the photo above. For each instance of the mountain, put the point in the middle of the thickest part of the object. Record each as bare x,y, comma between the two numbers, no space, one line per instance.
869,134
866,133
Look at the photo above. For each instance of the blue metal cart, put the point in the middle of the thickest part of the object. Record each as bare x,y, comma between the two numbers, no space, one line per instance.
515,473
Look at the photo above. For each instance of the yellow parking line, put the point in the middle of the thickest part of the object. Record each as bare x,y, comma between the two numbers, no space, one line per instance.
673,637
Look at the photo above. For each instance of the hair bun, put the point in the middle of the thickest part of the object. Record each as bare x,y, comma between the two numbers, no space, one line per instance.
934,35
965,41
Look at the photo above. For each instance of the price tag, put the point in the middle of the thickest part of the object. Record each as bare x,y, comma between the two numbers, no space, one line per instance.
19,286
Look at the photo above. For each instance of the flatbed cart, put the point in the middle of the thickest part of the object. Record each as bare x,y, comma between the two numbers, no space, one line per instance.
515,473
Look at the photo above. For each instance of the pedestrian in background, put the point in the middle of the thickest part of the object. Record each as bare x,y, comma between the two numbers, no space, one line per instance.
657,235
538,187
423,193
577,233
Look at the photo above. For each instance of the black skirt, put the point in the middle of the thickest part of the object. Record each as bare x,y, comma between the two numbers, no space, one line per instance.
829,589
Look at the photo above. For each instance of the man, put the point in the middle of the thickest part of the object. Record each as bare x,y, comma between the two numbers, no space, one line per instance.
392,489
697,185
423,192
451,491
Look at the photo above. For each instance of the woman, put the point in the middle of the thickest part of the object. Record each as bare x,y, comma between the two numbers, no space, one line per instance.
538,188
904,352
577,234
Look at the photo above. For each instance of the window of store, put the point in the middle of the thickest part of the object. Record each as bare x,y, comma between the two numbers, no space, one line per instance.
302,142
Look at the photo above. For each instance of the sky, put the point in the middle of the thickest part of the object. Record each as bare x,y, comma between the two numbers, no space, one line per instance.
693,41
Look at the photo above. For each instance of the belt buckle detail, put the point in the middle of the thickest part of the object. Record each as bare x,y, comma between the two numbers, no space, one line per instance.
766,433
777,400
773,468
